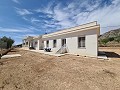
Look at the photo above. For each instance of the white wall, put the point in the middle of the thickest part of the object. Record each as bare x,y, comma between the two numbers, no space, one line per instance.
58,45
39,45
35,45
90,45
91,48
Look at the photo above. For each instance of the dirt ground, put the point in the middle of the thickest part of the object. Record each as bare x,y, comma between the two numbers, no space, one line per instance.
35,71
111,52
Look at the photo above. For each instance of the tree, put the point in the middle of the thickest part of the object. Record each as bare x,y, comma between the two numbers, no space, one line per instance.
117,39
8,41
111,38
105,41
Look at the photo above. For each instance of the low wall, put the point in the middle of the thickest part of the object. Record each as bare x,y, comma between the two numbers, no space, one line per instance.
4,52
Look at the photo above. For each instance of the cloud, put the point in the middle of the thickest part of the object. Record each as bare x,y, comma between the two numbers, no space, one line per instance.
16,1
46,10
30,35
76,13
23,11
34,20
56,16
106,16
26,19
59,14
15,30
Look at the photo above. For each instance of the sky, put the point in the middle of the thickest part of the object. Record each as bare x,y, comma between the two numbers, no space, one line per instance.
20,18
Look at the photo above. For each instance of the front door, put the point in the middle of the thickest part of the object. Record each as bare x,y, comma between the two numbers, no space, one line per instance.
63,42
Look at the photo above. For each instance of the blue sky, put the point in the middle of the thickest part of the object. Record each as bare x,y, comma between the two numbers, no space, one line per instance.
20,18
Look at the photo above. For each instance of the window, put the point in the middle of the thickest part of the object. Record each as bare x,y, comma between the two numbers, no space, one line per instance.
47,43
54,43
81,42
26,43
36,43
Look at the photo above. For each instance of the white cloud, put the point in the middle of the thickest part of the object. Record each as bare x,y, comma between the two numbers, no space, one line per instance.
25,18
115,2
34,20
30,35
23,11
80,12
15,30
59,14
108,15
46,9
16,1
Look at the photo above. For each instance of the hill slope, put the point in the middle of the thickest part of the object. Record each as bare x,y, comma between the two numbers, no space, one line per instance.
110,38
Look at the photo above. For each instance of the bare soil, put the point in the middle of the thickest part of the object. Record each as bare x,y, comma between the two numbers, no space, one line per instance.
111,52
35,71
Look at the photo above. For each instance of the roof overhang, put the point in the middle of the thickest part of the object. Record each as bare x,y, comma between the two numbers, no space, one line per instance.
81,28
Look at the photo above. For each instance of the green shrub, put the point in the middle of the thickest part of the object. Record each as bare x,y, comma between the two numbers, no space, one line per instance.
117,39
111,38
105,41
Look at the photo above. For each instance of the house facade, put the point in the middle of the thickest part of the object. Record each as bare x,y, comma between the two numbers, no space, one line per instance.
80,40
35,42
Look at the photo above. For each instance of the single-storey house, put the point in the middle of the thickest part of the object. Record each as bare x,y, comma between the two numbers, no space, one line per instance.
81,40
35,42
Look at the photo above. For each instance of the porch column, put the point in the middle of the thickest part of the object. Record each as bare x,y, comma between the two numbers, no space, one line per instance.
38,44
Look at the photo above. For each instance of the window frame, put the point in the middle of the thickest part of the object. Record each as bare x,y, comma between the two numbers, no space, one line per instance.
82,42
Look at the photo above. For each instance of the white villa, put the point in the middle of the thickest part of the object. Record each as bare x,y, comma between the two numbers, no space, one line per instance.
80,40
35,42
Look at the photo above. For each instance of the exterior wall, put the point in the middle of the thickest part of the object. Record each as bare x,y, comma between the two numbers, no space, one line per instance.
32,42
90,46
39,44
90,31
45,44
58,46
29,40
35,45
91,43
25,45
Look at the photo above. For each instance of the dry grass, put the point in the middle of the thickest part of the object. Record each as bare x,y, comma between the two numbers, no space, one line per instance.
35,71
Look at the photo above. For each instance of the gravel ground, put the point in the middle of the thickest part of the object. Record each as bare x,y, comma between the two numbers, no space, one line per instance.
35,71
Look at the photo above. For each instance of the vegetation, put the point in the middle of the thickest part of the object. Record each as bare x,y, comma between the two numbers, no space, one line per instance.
105,41
110,38
117,39
6,42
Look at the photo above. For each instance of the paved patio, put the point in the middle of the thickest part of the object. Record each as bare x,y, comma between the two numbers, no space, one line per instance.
10,56
42,51
101,56
48,53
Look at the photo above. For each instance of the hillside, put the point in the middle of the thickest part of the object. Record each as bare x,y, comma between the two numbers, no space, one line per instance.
110,38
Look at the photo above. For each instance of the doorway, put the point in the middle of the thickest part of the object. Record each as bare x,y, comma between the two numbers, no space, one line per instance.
63,42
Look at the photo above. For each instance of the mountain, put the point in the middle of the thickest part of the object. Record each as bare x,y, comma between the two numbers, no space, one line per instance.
110,38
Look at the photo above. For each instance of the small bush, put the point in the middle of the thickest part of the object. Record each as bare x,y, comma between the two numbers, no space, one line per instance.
117,39
104,41
111,38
